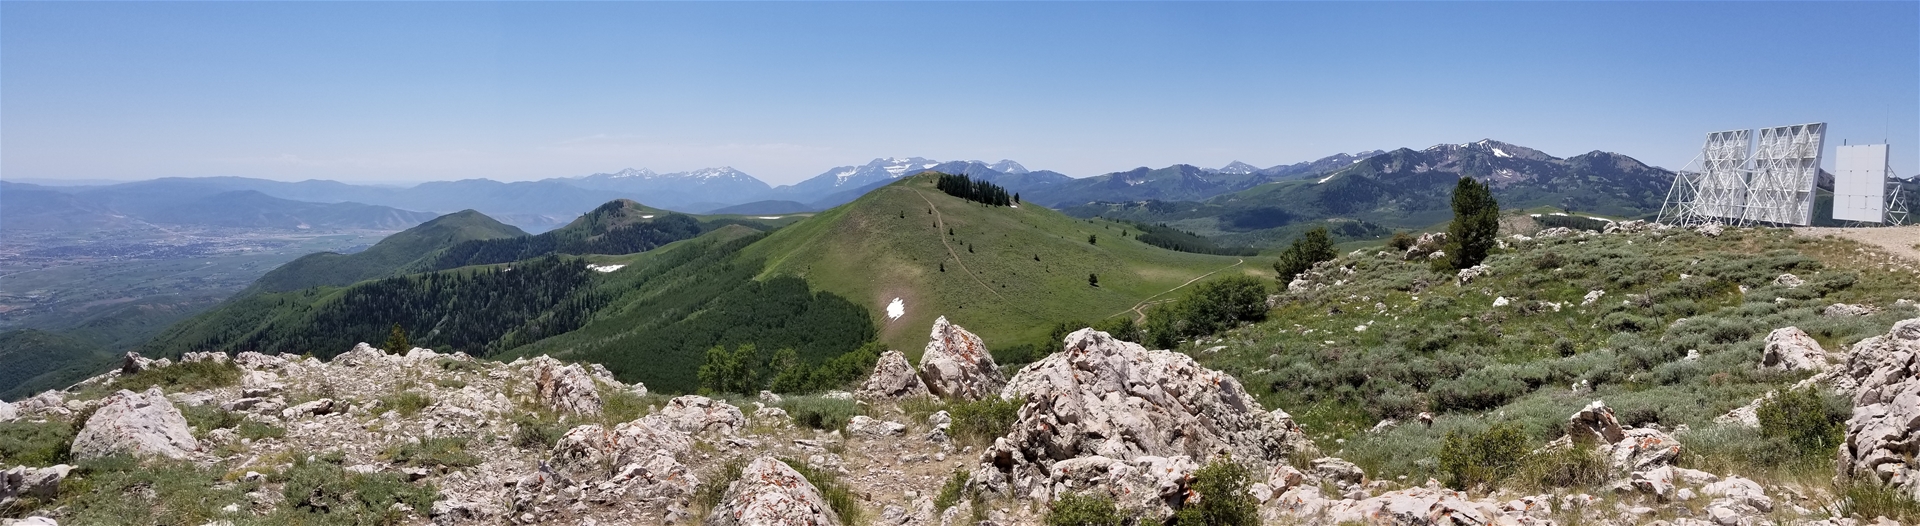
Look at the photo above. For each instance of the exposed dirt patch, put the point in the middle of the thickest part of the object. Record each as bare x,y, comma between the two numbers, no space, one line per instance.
1903,241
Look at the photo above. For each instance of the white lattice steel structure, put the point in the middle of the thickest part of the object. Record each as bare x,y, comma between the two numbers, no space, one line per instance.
1774,184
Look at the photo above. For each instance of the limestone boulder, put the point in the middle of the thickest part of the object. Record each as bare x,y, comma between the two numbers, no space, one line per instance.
26,482
140,424
694,414
564,387
8,412
1152,411
1426,245
1791,349
893,379
957,365
863,425
360,355
1883,433
634,460
1840,310
769,493
1420,506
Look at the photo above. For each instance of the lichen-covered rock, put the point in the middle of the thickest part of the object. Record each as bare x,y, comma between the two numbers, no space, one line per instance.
1117,401
1595,423
893,379
1627,450
1412,506
38,483
569,388
1791,349
8,412
1883,434
1844,309
1426,245
133,363
209,356
769,493
695,414
360,355
141,424
636,460
864,425
956,364
1467,275
1789,281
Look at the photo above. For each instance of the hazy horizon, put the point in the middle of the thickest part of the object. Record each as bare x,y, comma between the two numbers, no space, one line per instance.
412,92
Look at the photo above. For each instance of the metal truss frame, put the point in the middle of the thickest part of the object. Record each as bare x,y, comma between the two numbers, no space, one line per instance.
1774,184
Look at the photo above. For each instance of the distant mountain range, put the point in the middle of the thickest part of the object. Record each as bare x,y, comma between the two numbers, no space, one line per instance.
537,206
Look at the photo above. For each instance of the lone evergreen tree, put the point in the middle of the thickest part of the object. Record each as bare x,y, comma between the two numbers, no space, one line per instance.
1093,239
1476,223
397,340
1300,256
1093,280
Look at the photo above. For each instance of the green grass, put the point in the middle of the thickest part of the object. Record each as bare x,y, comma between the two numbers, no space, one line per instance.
1515,364
322,492
35,443
839,497
119,490
450,452
818,412
179,377
980,422
866,252
407,403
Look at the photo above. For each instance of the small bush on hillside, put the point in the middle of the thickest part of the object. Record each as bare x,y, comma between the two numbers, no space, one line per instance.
708,494
407,403
730,370
185,376
836,493
820,412
257,431
1210,307
982,421
1222,486
1482,459
1402,241
1562,468
952,491
35,443
441,451
1804,420
1303,253
537,431
322,488
1867,500
205,418
1075,509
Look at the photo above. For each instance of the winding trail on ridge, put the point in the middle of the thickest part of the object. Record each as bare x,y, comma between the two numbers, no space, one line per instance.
1141,316
938,225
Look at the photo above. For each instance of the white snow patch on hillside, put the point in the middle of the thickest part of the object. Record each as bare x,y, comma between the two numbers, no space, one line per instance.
1500,153
648,216
1327,178
769,217
605,268
896,309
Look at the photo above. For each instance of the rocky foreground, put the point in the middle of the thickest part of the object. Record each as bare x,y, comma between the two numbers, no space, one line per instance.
1102,416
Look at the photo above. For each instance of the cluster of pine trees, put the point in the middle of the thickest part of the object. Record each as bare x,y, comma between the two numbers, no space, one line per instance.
977,191
593,239
479,312
1183,241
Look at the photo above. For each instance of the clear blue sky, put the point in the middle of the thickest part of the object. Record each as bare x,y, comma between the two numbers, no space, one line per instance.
514,91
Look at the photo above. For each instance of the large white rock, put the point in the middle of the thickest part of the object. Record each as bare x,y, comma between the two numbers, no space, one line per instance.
956,364
8,412
1791,349
1412,506
1148,414
1883,434
695,414
140,424
637,459
564,387
361,354
38,483
769,493
893,379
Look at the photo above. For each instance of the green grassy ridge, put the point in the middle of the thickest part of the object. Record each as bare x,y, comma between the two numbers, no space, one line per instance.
399,251
868,253
1431,345
38,360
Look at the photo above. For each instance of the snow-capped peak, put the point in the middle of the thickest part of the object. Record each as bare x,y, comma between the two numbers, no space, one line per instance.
724,172
897,166
1237,168
631,172
1007,166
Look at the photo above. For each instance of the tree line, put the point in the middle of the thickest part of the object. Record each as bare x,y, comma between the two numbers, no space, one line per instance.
595,237
982,192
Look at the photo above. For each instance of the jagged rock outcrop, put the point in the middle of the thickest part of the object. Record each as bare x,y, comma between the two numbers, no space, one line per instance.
1791,349
139,424
634,460
568,388
1789,281
769,493
1119,417
37,483
1883,434
1426,245
893,379
956,364
694,414
864,425
1627,450
362,354
1467,275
